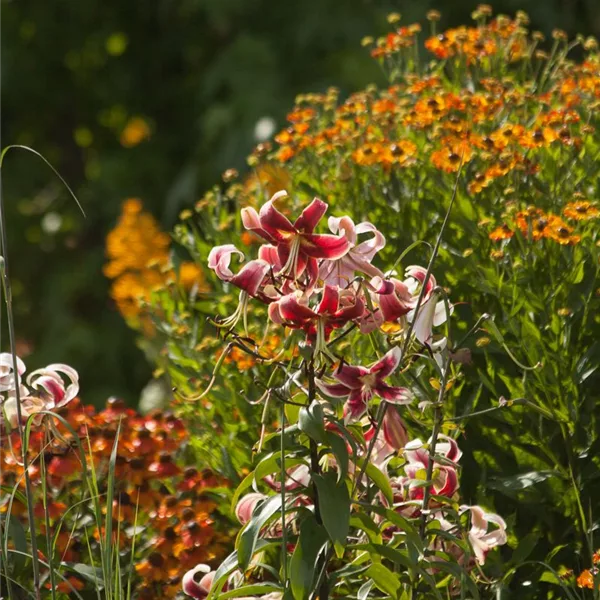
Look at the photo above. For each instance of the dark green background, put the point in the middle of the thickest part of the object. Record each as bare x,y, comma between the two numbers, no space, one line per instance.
202,72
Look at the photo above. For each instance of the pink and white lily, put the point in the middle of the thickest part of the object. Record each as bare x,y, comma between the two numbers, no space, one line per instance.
298,247
445,477
8,381
482,539
341,271
360,384
249,279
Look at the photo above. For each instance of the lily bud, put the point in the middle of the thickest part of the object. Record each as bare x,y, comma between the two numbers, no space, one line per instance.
245,507
394,431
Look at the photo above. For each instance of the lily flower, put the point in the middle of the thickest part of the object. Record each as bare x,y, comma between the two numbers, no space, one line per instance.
8,382
298,248
342,271
249,279
335,309
197,581
482,540
445,477
50,385
361,384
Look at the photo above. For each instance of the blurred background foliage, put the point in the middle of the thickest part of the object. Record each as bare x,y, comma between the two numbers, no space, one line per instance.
155,100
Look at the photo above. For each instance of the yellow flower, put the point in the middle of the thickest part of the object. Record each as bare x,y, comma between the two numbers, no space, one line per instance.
136,131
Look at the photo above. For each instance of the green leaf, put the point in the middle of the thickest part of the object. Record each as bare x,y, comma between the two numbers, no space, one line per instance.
339,449
246,542
525,547
89,573
334,506
384,579
381,480
520,482
248,590
16,533
303,566
311,421
365,588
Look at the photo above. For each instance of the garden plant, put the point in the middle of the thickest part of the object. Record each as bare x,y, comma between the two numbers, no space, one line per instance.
378,353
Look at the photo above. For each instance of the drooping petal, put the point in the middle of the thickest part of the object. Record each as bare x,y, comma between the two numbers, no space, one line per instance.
219,260
394,395
448,482
369,248
343,226
387,364
50,379
440,316
394,430
447,446
351,308
324,246
311,216
379,285
194,583
335,390
245,507
398,303
251,276
251,221
419,273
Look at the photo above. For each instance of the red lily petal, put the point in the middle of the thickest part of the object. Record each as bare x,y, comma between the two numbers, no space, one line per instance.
330,300
310,216
387,364
283,251
251,222
418,273
350,376
397,304
356,405
268,253
449,483
324,246
381,286
293,309
393,395
273,222
251,276
335,390
351,311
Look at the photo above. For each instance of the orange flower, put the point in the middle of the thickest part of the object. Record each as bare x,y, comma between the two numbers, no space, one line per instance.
501,233
450,156
581,210
136,131
586,580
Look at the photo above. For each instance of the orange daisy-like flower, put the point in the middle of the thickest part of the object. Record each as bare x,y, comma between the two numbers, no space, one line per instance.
581,210
586,580
501,233
454,152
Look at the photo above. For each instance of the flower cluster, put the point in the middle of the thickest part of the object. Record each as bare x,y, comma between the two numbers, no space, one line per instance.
139,261
327,286
318,283
44,390
535,224
161,508
587,577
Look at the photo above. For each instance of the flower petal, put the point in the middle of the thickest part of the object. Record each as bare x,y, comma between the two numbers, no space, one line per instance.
251,221
350,376
330,300
294,307
272,221
251,276
394,395
311,216
335,390
219,260
356,405
324,246
369,248
387,364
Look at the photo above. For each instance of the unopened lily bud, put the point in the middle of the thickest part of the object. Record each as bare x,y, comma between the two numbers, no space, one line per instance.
394,431
245,507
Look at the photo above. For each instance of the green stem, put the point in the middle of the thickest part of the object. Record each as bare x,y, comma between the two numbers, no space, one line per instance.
11,335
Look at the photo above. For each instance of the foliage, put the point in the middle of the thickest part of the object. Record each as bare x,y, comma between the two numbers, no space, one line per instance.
520,256
163,518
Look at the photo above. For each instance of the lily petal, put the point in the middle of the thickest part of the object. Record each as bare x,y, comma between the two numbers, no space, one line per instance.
394,395
219,260
324,245
350,376
251,276
330,300
387,364
335,390
311,216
